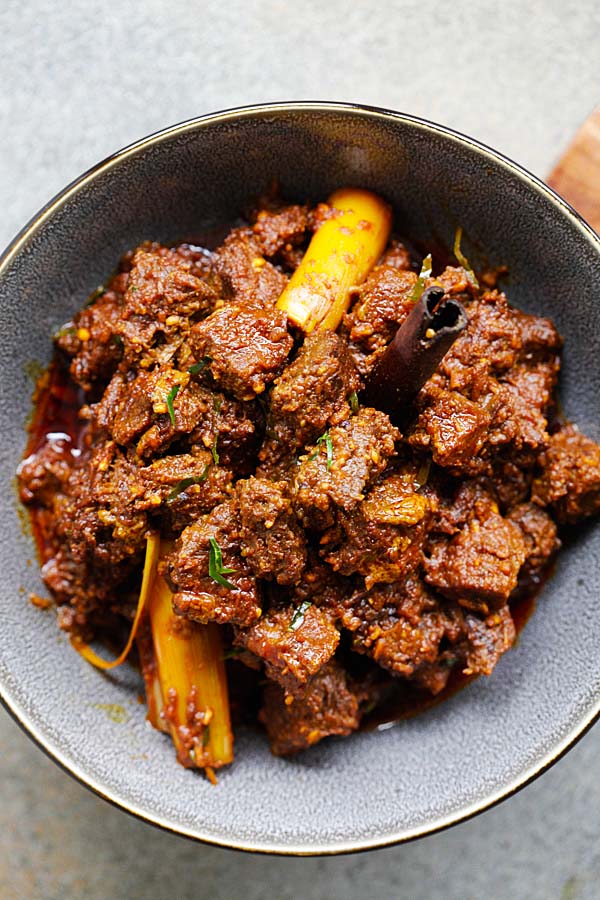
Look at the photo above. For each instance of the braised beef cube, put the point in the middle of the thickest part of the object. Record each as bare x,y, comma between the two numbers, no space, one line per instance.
223,596
479,566
294,643
382,537
499,336
325,706
487,639
278,228
403,646
126,410
541,540
453,429
246,276
233,429
42,474
399,625
397,255
312,391
381,305
163,298
335,472
512,478
92,342
433,677
247,347
321,586
570,479
273,544
185,487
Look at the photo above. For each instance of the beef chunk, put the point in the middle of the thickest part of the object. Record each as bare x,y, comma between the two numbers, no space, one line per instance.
186,486
339,469
570,479
453,428
397,255
382,537
276,229
245,275
45,472
325,706
311,393
92,338
381,305
198,596
541,540
479,566
492,390
162,300
273,543
247,347
487,639
399,625
294,643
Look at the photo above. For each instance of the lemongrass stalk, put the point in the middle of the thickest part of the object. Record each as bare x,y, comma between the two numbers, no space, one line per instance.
193,683
340,255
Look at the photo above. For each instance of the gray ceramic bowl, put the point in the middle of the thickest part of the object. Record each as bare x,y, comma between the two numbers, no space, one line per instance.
373,788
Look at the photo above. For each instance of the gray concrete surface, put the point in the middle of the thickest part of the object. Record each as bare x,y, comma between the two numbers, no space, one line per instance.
80,79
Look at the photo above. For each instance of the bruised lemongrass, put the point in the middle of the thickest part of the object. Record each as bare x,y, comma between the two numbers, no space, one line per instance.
419,345
462,259
150,563
424,274
193,683
340,255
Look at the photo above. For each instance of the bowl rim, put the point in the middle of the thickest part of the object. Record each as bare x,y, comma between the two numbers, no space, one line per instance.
25,719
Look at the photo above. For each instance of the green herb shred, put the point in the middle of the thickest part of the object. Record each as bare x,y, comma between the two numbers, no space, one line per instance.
216,569
462,259
424,274
64,331
200,366
95,295
206,735
214,451
185,483
354,404
217,403
326,438
170,397
298,617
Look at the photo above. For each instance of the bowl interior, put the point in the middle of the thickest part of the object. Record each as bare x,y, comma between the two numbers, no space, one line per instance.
372,788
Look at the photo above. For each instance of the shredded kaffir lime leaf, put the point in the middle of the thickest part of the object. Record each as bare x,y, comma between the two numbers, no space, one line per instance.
170,397
214,451
462,259
200,366
216,569
354,404
185,483
99,292
217,403
298,617
424,274
326,438
64,331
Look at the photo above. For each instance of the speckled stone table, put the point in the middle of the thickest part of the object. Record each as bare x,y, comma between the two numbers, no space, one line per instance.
80,79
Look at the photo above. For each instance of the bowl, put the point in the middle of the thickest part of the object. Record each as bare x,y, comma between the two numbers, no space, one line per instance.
374,788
